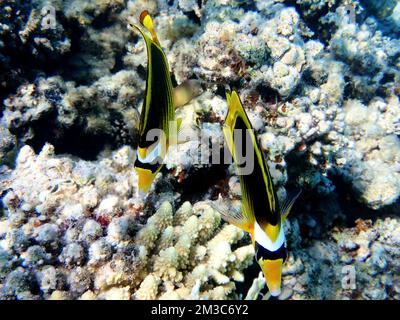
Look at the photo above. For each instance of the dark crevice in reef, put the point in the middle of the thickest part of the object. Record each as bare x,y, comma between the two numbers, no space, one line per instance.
21,66
204,181
119,62
353,209
322,32
348,91
75,33
76,142
192,16
73,140
324,209
142,72
307,78
83,49
338,208
106,18
382,10
268,94
198,183
173,80
249,6
221,90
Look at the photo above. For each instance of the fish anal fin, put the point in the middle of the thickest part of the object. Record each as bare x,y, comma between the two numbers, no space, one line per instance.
142,152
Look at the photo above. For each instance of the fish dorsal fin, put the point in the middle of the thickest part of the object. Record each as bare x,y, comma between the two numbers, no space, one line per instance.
287,204
234,215
147,22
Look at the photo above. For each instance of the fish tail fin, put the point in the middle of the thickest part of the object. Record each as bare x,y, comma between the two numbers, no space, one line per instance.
235,107
287,204
235,110
147,22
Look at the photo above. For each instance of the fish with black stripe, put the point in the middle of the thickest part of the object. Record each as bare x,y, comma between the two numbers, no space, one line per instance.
261,214
158,112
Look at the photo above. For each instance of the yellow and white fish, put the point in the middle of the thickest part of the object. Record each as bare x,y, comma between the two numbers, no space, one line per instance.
158,112
261,214
158,108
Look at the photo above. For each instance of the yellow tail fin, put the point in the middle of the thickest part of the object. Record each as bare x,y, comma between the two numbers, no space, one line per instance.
147,22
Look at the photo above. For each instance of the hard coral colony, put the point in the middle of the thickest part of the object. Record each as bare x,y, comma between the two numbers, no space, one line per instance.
92,209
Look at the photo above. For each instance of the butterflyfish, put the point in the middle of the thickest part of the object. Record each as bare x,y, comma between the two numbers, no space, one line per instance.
260,214
157,119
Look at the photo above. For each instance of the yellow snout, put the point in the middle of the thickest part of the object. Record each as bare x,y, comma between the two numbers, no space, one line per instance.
272,270
146,178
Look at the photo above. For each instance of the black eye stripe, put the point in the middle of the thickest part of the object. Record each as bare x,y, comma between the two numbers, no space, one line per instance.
265,254
152,166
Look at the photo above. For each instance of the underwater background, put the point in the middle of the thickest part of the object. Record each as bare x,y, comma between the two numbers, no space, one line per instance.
320,82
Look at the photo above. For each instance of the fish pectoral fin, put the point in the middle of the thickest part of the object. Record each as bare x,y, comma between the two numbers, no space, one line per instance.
287,204
181,137
234,216
175,131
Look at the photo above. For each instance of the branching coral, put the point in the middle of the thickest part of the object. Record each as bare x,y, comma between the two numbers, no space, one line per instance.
81,236
200,264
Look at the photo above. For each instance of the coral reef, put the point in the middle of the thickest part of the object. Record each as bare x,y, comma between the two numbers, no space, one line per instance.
58,112
357,263
320,84
78,235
